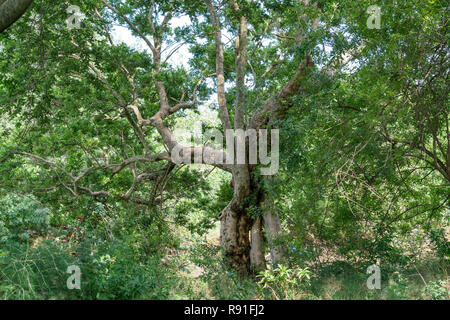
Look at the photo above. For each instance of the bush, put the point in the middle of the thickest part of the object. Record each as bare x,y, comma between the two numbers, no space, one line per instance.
437,290
285,283
20,218
35,273
119,271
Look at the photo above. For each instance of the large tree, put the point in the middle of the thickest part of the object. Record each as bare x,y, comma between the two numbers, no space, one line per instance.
102,114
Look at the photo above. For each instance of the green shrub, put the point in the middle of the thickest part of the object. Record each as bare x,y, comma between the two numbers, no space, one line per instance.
437,290
20,218
35,273
284,282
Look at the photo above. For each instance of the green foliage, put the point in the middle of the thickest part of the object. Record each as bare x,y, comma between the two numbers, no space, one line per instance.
119,271
397,287
35,272
285,283
441,243
221,281
437,290
21,217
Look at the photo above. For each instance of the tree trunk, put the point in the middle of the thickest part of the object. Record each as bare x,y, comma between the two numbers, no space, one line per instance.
257,259
236,224
272,226
234,230
241,236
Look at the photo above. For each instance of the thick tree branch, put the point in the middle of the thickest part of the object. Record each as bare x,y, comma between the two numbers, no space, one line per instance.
276,104
241,63
223,109
11,11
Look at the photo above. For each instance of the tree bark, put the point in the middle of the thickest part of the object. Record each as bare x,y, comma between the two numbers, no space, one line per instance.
242,237
257,259
236,224
234,239
272,226
11,11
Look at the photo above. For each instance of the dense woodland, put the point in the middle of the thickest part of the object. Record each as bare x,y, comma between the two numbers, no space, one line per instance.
92,93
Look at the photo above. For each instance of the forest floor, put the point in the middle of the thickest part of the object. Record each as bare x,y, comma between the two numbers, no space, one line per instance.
428,279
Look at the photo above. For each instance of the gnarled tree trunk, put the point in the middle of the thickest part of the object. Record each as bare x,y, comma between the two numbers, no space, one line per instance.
242,237
236,224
